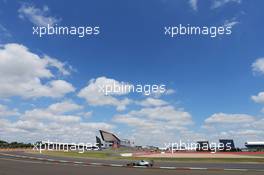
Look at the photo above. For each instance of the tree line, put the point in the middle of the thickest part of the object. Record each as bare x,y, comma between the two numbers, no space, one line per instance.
4,144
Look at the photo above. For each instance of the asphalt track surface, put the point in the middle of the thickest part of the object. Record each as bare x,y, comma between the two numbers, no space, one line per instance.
17,166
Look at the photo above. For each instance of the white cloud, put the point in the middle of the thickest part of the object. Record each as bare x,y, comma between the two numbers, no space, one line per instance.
54,113
170,91
36,130
86,114
220,3
5,126
194,4
159,93
95,97
63,107
27,126
165,122
39,17
258,124
258,98
57,122
106,91
229,118
4,33
22,72
240,127
248,132
57,64
148,102
6,112
231,22
258,66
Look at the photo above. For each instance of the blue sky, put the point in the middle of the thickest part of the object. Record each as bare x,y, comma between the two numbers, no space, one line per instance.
216,82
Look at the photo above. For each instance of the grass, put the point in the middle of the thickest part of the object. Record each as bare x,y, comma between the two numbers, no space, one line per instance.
79,155
211,160
115,156
258,155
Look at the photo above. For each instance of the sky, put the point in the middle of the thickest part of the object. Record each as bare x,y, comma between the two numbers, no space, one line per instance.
214,85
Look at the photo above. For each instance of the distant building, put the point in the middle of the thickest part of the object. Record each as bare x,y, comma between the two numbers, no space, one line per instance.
111,140
203,146
98,142
150,147
228,144
255,146
125,142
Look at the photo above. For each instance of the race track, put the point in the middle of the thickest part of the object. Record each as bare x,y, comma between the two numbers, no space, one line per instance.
37,164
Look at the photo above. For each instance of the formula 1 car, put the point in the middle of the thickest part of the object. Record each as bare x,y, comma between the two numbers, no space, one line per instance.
143,163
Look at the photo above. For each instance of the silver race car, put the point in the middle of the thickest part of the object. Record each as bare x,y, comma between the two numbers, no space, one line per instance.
141,163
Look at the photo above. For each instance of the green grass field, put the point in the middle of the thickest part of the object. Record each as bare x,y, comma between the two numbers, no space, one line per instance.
259,155
212,160
80,155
